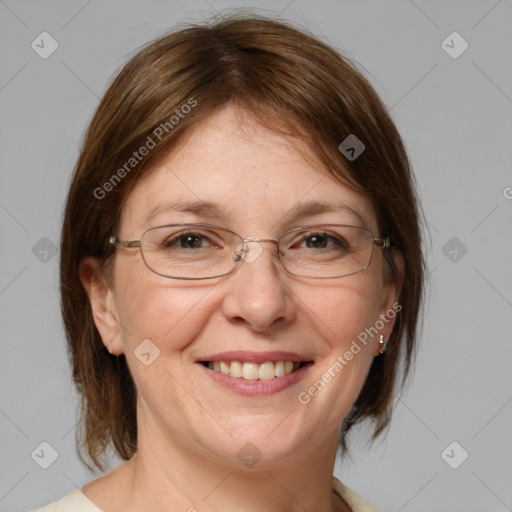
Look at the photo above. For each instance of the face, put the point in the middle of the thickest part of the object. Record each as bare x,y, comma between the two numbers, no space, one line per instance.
251,179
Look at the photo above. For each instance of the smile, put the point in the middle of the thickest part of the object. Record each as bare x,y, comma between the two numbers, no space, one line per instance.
252,370
246,378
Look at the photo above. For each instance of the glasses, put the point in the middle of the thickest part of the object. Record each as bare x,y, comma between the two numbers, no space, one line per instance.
205,251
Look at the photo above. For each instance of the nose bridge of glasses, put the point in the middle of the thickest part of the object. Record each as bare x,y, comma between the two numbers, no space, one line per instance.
250,255
252,239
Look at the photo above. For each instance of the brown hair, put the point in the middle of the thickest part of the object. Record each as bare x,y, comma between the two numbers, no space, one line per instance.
283,77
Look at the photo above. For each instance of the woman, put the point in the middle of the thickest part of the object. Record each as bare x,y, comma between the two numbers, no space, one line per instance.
241,273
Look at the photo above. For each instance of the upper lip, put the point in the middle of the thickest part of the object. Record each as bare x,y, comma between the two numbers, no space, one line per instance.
246,356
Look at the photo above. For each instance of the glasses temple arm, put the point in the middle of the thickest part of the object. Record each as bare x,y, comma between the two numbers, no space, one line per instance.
124,243
382,242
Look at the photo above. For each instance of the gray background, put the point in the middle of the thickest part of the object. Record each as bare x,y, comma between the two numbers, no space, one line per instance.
455,116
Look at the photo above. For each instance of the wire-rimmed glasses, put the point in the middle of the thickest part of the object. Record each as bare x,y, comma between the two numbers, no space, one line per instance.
206,251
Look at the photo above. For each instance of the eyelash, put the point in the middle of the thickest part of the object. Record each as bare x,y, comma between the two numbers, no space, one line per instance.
178,238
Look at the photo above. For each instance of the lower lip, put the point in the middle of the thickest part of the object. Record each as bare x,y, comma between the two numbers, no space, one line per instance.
256,387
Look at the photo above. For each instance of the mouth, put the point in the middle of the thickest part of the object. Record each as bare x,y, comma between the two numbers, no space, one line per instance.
251,370
255,374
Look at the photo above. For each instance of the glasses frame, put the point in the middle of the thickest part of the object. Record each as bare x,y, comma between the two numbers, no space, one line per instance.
237,255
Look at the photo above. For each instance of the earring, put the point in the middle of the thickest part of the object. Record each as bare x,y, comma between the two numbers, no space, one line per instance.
110,348
382,345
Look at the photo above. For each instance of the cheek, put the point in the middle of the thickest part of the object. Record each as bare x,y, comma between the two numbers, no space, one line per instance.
339,316
341,313
168,314
342,316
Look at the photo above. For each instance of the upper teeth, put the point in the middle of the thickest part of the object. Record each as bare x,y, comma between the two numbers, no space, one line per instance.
265,371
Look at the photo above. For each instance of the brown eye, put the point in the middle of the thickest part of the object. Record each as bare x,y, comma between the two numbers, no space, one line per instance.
322,241
317,241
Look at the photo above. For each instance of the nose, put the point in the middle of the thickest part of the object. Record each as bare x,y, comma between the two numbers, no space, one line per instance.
257,295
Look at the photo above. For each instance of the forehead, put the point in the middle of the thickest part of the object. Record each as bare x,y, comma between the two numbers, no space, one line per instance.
234,172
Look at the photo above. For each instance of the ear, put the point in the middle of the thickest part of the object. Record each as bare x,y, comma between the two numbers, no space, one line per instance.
390,307
103,306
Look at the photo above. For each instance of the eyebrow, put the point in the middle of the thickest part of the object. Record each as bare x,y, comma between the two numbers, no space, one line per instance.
212,210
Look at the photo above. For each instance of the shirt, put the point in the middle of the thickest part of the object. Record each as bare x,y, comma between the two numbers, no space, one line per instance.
77,501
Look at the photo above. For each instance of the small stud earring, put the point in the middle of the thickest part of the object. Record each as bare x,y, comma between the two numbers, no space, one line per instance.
382,345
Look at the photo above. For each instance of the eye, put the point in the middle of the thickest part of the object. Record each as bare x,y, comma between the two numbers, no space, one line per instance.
322,240
188,240
317,241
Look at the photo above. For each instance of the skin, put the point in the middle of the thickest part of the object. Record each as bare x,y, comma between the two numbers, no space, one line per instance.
189,428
